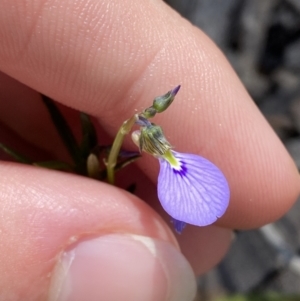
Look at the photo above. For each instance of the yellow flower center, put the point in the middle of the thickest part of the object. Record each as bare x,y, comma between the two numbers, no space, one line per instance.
171,159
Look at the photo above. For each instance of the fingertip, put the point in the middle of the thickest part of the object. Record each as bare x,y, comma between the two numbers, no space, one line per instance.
123,266
275,184
204,247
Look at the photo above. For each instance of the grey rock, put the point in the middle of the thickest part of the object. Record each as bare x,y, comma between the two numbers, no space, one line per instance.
295,112
250,259
293,147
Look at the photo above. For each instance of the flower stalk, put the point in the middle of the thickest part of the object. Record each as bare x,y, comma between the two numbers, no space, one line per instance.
116,147
160,104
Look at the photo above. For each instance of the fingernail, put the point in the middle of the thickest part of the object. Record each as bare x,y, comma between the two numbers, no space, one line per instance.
123,267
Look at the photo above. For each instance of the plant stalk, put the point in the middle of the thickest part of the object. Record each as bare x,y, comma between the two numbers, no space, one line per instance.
115,149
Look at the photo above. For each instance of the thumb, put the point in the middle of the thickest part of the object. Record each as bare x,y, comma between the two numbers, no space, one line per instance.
122,267
64,237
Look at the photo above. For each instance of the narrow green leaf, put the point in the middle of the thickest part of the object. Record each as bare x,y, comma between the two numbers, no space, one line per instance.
16,155
63,130
89,135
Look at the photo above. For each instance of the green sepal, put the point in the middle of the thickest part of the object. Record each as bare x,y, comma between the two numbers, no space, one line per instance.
153,141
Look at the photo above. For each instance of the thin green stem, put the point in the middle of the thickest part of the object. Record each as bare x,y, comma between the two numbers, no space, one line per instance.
115,149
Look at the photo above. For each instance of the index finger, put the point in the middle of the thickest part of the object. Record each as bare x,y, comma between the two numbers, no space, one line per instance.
110,58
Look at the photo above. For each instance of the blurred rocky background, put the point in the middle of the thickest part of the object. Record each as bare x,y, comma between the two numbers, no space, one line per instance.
261,39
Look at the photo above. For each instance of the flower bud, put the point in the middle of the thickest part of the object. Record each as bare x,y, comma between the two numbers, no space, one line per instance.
161,103
135,136
93,166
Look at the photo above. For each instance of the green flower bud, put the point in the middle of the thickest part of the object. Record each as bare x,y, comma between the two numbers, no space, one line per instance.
93,166
161,103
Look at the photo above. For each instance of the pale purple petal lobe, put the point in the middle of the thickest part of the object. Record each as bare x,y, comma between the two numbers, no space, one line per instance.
195,192
178,225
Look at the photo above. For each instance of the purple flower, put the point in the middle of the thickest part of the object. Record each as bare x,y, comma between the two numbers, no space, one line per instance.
191,189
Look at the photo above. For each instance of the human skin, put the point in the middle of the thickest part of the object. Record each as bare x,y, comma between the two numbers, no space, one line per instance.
109,58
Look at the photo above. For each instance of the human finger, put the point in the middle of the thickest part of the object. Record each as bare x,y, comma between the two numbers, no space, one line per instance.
60,232
33,124
56,51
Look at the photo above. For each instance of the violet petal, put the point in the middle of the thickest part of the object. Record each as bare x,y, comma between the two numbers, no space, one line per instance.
196,193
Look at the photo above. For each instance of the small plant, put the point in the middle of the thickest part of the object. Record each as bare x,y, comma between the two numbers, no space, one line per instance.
191,189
